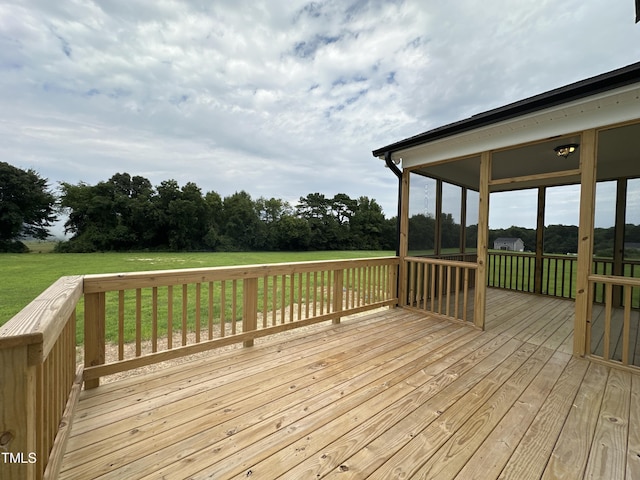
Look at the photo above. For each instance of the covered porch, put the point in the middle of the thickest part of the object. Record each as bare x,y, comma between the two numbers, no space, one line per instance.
584,134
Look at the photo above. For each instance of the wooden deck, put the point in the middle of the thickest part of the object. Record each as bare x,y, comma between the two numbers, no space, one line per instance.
395,394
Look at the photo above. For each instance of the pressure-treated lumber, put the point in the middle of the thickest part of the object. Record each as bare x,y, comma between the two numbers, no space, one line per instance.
483,238
588,152
375,396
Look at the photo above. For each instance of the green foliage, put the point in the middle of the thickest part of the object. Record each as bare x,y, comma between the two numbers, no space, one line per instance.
27,207
126,213
241,222
368,225
422,230
291,233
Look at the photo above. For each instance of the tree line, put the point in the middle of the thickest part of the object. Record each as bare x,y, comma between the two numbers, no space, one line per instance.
127,213
563,239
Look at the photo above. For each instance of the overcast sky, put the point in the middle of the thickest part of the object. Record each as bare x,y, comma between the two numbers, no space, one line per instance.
280,98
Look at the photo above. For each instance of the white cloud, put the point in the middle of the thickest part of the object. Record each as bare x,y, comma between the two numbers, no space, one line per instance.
277,98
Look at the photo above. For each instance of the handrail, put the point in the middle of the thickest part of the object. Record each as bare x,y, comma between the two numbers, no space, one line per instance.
38,369
113,282
555,275
42,320
615,280
440,286
608,330
439,261
40,383
221,305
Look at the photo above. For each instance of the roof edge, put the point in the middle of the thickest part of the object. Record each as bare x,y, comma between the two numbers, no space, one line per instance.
574,91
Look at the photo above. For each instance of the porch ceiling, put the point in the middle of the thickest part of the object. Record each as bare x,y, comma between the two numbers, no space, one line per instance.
618,156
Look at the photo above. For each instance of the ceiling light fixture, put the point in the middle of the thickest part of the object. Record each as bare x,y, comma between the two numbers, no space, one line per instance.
566,150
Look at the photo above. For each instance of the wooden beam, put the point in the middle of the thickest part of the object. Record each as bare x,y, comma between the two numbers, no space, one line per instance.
536,177
588,153
618,237
404,239
463,220
483,239
539,240
437,241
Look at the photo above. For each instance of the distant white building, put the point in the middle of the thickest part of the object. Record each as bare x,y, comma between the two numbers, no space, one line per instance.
511,244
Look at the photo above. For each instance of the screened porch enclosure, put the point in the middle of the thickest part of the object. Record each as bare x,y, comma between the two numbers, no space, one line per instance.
581,139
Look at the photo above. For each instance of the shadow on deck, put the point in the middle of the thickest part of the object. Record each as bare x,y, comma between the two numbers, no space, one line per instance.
393,394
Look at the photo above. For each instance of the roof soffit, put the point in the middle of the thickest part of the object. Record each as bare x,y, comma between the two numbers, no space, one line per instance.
608,108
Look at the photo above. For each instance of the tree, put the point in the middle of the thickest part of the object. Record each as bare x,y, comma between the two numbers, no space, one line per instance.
421,234
271,212
367,225
325,227
241,222
189,220
27,207
291,233
343,208
118,214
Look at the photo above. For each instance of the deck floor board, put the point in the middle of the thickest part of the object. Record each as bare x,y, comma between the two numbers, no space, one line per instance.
397,393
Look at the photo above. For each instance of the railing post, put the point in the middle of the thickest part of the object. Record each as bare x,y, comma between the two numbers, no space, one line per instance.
338,276
249,307
18,397
392,288
94,325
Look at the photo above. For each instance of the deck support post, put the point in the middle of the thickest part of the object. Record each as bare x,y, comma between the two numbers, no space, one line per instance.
94,326
539,267
483,239
250,307
404,239
18,412
588,153
618,238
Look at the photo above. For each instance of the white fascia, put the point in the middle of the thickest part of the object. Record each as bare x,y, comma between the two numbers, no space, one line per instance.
608,108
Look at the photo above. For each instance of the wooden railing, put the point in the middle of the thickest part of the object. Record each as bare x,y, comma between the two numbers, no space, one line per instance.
516,271
159,316
39,384
511,270
442,287
612,332
155,316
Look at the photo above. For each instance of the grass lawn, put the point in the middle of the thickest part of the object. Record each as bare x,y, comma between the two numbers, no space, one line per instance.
25,276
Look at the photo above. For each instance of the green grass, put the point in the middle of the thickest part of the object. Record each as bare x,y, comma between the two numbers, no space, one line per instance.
40,246
25,276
